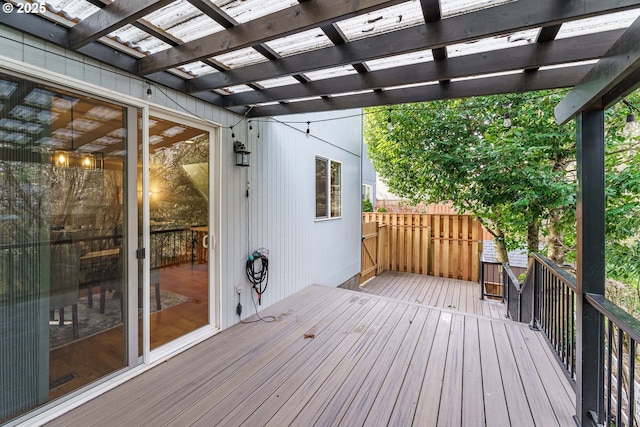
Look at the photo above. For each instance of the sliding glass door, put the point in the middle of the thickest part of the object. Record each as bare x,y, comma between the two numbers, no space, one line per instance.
178,225
63,240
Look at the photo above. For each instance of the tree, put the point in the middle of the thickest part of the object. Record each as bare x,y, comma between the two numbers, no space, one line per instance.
622,165
461,151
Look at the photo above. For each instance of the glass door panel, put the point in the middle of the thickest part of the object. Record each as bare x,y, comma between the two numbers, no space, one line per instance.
62,215
179,220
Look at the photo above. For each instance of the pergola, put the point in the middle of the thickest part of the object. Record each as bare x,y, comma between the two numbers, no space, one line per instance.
260,58
263,58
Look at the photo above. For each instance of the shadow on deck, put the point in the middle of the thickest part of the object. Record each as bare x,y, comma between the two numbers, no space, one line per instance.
339,357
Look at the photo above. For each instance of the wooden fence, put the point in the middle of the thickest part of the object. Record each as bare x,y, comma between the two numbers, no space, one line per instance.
437,245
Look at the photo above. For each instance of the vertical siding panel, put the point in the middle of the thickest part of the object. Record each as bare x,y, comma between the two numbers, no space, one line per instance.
11,44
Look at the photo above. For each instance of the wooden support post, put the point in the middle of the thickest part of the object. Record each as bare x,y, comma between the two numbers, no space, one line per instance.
590,266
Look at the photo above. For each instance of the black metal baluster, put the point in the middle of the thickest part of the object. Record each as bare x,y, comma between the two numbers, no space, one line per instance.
563,325
619,379
632,367
609,374
573,334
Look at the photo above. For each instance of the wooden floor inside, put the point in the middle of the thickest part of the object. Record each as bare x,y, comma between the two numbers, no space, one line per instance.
451,294
339,357
90,358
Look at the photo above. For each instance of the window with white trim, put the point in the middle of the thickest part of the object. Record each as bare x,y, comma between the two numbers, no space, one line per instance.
328,188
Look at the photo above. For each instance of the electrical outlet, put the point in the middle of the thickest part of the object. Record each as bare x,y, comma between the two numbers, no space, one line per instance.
238,289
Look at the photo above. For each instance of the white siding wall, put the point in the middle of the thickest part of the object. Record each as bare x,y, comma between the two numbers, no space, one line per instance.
281,207
280,211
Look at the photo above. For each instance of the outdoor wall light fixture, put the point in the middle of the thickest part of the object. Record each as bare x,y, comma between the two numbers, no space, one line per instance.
242,156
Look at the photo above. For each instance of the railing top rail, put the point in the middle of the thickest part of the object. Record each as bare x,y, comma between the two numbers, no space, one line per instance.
512,277
621,318
560,273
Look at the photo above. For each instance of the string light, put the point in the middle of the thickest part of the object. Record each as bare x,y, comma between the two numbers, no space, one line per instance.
507,120
630,126
308,131
149,92
389,122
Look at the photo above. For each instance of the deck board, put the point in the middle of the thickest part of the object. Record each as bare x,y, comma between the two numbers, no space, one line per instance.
373,361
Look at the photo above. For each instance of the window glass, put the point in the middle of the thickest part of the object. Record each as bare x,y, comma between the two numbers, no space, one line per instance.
321,187
328,188
336,189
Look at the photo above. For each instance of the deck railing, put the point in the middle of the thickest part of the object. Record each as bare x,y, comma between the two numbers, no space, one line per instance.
554,307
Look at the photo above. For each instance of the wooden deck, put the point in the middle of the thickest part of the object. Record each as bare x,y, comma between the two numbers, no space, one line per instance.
339,357
450,294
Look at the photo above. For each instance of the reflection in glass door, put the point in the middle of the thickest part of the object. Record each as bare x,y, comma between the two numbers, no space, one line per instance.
179,219
63,213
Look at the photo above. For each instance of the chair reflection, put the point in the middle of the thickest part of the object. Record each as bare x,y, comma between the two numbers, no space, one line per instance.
115,280
65,282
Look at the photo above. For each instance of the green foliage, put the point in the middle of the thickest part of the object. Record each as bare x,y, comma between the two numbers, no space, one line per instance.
460,151
367,206
622,164
382,210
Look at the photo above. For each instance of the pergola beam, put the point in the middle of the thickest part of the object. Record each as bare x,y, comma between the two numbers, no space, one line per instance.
512,83
303,16
576,49
618,63
515,16
110,18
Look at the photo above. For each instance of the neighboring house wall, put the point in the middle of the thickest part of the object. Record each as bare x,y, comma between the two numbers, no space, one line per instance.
368,175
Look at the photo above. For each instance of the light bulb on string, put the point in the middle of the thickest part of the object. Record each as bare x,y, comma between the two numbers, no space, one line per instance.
507,120
308,130
389,122
630,125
